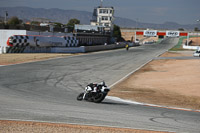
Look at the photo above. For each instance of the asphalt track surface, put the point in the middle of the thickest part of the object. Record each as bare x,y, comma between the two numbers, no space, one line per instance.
46,91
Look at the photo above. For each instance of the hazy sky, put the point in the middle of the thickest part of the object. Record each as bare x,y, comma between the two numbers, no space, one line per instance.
150,11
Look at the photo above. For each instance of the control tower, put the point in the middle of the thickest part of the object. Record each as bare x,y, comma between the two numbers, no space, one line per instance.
103,16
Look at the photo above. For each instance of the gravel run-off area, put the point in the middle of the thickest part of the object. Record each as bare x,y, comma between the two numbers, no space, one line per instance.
165,82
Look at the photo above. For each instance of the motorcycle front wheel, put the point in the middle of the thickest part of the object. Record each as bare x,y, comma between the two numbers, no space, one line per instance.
99,97
80,97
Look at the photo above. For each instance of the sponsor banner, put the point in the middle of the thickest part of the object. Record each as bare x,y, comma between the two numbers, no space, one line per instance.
161,33
172,33
139,33
184,34
150,33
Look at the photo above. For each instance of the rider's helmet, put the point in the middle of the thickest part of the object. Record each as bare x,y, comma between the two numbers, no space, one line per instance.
102,83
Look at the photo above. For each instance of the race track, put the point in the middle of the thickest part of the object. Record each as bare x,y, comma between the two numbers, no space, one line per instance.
47,90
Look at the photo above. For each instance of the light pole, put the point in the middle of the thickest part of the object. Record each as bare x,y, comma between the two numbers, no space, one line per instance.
197,31
101,3
136,28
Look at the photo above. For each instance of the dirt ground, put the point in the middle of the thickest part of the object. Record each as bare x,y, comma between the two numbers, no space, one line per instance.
177,54
6,59
172,83
38,127
195,41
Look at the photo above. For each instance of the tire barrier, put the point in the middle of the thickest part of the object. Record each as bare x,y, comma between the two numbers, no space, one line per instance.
18,43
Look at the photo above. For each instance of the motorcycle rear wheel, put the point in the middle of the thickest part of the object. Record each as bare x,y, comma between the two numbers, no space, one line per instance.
99,98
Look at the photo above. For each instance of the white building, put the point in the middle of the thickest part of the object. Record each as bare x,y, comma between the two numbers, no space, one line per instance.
103,16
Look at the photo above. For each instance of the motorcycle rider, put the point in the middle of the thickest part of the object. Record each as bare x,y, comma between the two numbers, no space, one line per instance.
94,87
91,87
127,47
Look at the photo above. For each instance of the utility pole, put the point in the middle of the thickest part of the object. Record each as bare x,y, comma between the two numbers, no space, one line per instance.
188,39
6,15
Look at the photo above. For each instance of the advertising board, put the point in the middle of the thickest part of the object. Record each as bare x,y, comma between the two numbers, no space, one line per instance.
172,33
150,33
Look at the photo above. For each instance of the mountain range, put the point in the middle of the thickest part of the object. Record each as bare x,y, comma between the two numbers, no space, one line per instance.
63,16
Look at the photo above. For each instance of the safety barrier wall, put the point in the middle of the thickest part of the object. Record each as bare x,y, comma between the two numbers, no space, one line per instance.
37,50
99,48
68,50
2,49
5,34
103,47
82,49
190,47
42,41
85,49
48,33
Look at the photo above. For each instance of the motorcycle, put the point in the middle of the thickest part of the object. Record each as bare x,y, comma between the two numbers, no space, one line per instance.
94,93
